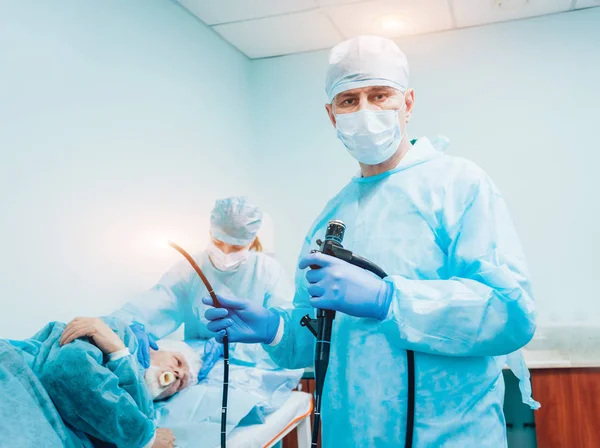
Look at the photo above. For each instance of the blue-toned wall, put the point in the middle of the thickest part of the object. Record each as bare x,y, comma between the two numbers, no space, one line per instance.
520,98
120,122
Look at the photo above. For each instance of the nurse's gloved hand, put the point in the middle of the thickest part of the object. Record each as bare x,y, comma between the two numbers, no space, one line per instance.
145,342
213,351
343,287
243,320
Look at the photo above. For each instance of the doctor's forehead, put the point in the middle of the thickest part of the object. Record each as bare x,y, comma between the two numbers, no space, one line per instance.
367,90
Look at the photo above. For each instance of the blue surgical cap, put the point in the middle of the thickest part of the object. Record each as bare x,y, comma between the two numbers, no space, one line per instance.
235,221
366,61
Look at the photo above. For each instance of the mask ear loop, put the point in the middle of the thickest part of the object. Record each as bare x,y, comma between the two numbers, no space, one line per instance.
332,104
407,115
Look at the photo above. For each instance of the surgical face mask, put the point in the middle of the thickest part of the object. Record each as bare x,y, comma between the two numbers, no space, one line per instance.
226,262
371,136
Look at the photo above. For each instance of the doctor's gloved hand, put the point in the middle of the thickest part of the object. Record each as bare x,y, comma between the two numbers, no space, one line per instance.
243,320
346,288
145,342
213,351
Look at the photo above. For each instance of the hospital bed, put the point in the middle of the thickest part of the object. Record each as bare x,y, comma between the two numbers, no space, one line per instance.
295,413
194,415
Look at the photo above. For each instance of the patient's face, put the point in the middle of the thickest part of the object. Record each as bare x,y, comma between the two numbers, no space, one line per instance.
168,374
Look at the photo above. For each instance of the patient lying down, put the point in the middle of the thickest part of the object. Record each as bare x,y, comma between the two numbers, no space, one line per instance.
90,372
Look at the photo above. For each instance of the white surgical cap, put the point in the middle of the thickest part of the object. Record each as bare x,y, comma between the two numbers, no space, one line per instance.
193,359
366,61
235,221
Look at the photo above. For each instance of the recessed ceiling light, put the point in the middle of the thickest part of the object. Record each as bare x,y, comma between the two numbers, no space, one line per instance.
390,25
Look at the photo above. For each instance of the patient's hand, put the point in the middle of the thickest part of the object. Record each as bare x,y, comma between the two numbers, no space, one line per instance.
164,438
101,334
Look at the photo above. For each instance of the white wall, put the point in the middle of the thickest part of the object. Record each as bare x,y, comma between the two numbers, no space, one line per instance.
120,122
521,99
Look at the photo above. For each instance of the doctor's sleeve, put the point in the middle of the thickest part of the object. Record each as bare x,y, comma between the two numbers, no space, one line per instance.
296,348
485,307
160,310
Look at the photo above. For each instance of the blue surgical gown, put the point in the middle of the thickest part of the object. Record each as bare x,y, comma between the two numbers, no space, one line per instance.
27,414
177,299
461,300
106,400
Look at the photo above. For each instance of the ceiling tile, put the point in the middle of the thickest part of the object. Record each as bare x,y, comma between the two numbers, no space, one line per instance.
213,12
587,3
478,12
382,16
285,34
339,2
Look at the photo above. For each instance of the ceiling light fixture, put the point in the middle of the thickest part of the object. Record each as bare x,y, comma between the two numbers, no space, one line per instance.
390,25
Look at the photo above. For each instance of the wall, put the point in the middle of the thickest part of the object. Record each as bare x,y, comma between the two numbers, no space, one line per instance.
120,122
521,99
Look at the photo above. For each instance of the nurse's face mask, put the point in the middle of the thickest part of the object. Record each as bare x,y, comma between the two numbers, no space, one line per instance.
367,122
226,257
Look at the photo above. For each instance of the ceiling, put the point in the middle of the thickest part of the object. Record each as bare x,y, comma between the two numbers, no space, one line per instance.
264,28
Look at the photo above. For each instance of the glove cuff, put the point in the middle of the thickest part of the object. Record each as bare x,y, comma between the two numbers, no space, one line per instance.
384,299
137,326
279,334
272,330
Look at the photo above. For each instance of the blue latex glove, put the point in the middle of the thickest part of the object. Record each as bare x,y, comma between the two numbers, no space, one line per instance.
343,287
213,351
244,321
145,341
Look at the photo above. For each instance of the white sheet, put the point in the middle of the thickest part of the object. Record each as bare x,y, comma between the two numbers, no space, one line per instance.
294,409
194,414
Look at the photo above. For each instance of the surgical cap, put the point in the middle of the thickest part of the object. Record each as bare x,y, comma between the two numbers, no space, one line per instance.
366,61
235,221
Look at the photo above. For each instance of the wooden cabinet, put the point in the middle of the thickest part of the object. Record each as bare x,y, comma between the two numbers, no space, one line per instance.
570,412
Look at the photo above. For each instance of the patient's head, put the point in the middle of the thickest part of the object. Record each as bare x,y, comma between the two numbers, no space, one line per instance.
173,367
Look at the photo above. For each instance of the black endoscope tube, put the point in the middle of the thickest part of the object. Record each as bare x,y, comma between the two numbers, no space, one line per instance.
213,296
367,265
322,348
332,246
334,236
